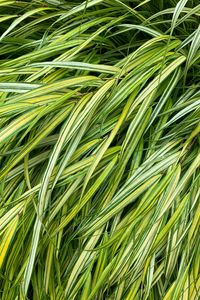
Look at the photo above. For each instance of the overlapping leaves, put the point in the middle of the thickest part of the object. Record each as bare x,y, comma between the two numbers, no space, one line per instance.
99,150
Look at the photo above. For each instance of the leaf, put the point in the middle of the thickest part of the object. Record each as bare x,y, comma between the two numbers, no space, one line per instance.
195,45
80,66
177,11
7,238
20,19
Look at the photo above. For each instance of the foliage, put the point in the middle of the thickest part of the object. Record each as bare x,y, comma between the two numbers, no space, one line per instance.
99,149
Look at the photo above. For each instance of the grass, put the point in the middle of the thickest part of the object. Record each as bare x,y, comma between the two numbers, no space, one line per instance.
99,150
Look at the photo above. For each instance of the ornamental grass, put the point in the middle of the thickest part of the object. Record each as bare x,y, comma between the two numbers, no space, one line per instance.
99,150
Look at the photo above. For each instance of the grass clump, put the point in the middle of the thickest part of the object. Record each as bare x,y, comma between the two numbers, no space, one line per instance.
99,150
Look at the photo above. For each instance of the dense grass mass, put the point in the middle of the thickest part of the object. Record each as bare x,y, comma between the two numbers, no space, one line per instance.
99,150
